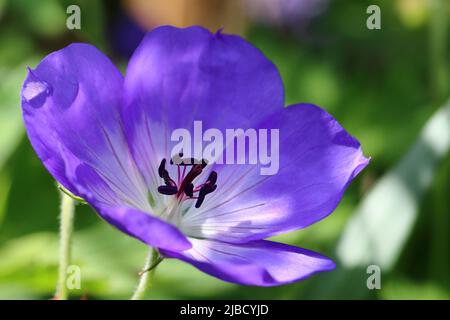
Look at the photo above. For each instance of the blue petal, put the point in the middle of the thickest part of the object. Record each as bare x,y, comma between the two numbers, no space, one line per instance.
318,159
177,76
72,101
258,263
71,105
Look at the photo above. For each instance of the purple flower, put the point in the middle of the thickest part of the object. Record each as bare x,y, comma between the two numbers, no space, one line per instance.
104,137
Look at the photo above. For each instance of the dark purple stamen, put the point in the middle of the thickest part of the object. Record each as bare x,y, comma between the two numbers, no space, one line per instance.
212,178
208,187
189,190
164,174
162,168
186,187
168,190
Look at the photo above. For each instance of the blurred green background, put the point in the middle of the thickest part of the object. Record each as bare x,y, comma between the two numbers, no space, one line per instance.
387,87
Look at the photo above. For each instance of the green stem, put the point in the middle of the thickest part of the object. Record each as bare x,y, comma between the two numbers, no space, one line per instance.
65,243
151,262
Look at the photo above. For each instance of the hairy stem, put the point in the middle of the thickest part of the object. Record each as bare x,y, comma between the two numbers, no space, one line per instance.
65,243
151,262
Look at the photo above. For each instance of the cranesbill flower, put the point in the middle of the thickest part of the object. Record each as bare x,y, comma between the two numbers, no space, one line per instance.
105,138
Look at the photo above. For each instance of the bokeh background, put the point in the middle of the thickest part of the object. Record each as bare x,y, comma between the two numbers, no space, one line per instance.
388,87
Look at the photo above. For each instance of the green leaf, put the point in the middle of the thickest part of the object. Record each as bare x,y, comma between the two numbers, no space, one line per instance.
383,221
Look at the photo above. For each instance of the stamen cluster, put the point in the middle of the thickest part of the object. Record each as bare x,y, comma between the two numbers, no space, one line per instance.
184,187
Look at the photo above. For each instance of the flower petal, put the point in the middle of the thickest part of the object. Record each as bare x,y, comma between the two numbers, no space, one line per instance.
259,263
317,161
71,101
145,227
177,76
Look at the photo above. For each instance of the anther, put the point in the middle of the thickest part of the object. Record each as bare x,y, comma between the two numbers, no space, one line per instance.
189,190
186,186
212,179
208,187
162,169
168,190
163,173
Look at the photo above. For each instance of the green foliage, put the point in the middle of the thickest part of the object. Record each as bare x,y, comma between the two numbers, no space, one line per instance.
382,223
